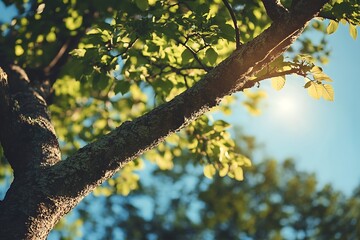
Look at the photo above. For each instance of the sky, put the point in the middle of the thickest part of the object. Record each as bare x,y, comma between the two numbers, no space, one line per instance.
321,136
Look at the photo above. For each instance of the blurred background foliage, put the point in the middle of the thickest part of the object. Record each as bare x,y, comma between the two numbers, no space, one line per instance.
277,201
128,57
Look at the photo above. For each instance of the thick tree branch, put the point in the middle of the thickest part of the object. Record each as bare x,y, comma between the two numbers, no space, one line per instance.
25,125
275,10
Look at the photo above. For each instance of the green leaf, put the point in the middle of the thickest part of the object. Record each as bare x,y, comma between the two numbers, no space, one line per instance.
333,25
328,92
94,31
278,82
228,31
142,4
307,84
122,87
78,52
211,56
209,171
186,56
353,31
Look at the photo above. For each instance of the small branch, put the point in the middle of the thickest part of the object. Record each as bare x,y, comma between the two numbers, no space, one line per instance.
59,55
275,10
127,48
195,56
250,84
233,17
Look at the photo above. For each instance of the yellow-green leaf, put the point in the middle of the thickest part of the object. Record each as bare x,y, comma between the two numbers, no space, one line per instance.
316,70
142,4
211,55
353,31
333,25
224,170
278,82
308,84
51,37
186,56
239,174
247,161
19,50
322,77
328,92
315,90
209,171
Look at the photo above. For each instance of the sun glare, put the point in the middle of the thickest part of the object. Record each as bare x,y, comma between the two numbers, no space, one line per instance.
288,111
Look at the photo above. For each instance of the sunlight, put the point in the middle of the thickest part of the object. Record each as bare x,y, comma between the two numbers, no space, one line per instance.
288,110
287,106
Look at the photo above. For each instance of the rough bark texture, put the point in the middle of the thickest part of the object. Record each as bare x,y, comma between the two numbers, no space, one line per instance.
45,188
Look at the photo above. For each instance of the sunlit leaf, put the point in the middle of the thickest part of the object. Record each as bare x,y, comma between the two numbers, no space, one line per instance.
224,170
209,171
142,4
238,173
322,77
78,52
51,37
315,90
353,31
278,82
246,161
19,50
332,27
316,70
328,92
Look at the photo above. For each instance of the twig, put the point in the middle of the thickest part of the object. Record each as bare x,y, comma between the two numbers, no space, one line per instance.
233,17
195,56
251,83
127,48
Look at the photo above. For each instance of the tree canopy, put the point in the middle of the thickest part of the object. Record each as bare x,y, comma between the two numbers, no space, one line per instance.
118,77
277,201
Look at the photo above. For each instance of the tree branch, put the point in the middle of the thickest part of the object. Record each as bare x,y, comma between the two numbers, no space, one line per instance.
252,83
275,10
233,17
195,56
25,124
109,153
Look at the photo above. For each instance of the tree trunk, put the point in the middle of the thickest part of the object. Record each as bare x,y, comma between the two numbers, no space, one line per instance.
45,188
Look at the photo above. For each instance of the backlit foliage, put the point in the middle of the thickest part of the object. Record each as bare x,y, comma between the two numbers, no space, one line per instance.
133,55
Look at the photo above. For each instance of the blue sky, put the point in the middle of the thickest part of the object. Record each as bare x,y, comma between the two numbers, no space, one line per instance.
322,136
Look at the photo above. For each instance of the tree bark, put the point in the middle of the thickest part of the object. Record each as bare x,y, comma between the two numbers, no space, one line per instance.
45,188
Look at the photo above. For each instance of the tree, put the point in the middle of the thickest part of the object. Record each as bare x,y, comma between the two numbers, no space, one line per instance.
276,202
190,55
